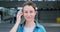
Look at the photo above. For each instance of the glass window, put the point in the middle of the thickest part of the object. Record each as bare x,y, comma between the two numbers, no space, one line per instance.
34,0
49,0
40,0
19,8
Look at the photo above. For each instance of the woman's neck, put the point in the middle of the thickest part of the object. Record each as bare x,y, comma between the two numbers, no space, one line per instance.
30,23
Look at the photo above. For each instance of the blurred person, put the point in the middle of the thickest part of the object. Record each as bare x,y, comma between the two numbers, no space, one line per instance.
30,24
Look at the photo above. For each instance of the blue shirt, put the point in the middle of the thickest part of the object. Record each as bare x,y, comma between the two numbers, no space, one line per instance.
38,28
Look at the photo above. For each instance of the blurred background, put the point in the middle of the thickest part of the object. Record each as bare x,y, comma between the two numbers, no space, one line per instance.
48,14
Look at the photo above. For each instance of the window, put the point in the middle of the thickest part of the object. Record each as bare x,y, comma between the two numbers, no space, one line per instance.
40,0
50,0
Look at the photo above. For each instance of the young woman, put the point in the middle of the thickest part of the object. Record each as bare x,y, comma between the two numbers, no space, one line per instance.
30,24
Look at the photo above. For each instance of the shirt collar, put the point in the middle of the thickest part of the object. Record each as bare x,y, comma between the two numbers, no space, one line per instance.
36,22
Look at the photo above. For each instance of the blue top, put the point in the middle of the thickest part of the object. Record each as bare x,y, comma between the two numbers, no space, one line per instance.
38,28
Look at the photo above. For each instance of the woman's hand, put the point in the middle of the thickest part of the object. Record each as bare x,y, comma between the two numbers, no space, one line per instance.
19,14
18,17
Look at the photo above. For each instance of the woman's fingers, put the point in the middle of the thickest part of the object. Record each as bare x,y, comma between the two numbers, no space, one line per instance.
19,14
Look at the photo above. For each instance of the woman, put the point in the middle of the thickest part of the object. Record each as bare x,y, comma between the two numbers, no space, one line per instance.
29,25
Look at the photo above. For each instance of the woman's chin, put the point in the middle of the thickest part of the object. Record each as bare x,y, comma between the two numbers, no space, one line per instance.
28,19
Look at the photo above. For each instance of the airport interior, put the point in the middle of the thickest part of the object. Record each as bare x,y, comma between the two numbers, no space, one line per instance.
48,14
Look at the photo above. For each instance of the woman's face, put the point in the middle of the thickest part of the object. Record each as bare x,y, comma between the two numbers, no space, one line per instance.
29,13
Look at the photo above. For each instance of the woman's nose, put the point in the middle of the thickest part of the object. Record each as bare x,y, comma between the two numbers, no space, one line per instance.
28,14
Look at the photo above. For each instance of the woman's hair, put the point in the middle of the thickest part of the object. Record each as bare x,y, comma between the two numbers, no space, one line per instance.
30,3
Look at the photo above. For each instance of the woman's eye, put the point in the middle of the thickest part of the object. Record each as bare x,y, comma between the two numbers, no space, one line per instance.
31,11
26,12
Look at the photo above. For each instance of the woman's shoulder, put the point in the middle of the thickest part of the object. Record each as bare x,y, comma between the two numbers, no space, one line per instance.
38,24
41,27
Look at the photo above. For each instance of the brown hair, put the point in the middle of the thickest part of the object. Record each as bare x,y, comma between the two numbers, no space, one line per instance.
30,3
